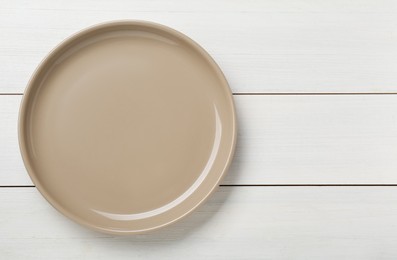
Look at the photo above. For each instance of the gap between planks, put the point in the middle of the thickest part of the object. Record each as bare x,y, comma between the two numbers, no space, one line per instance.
277,93
259,185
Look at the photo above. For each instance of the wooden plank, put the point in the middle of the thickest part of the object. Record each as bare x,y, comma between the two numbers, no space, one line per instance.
283,139
315,139
236,223
262,46
12,170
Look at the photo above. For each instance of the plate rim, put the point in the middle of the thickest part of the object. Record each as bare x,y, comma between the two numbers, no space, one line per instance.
63,45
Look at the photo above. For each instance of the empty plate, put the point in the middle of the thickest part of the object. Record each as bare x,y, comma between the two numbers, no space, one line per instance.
127,127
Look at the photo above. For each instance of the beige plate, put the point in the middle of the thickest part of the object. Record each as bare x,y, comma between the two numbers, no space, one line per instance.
127,127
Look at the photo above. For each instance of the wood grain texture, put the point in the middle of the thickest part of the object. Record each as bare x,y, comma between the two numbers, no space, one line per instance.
237,223
262,46
294,139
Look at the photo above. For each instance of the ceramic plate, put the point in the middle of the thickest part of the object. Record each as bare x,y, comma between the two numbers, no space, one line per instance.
127,127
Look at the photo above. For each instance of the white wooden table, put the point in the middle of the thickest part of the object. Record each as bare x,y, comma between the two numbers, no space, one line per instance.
315,171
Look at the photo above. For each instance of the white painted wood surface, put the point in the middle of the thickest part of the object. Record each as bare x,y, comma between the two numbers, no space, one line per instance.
271,46
262,46
237,223
294,139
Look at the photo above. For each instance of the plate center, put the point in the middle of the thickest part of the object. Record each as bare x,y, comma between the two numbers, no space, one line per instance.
125,124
